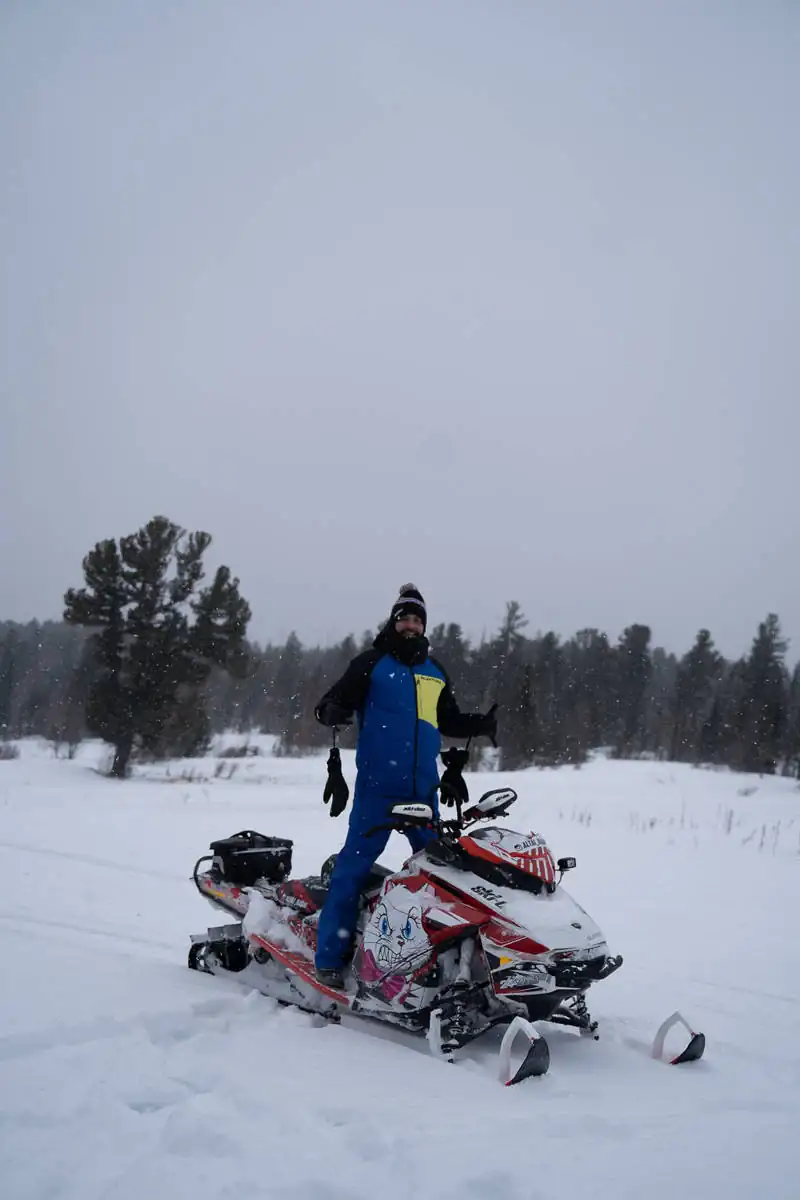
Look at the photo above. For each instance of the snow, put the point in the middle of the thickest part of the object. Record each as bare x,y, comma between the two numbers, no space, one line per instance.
126,1075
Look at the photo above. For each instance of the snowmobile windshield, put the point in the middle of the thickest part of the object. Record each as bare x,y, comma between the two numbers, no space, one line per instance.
502,874
527,853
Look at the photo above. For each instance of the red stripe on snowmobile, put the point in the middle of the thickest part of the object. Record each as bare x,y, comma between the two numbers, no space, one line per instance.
299,965
504,936
224,894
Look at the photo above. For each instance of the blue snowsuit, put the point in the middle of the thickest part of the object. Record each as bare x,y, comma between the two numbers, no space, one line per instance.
402,711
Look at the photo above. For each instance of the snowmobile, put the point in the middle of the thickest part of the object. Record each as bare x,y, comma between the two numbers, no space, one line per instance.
474,931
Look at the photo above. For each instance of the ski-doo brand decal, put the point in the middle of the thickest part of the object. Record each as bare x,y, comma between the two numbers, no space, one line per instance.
429,689
412,810
486,893
395,944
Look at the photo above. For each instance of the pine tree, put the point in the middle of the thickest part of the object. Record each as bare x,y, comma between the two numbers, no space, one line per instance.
728,716
468,677
508,684
698,671
765,702
505,653
791,746
449,645
549,691
592,683
67,722
658,703
712,741
289,689
8,674
149,659
520,732
632,659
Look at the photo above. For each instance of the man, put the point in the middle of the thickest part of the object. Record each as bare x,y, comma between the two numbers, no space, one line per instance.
404,703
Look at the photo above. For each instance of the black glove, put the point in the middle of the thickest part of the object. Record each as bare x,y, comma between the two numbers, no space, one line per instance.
328,712
489,725
336,788
452,785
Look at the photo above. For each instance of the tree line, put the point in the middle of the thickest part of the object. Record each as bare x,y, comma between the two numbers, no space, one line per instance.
154,662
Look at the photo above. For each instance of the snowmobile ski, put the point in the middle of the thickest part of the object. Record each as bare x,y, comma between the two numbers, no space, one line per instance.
692,1052
537,1060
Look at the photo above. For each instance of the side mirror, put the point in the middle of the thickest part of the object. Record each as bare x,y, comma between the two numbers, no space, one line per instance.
566,864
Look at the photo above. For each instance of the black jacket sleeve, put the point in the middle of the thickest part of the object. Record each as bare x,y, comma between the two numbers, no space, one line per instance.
452,721
350,691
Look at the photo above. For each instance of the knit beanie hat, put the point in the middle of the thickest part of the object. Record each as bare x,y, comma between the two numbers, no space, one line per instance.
409,601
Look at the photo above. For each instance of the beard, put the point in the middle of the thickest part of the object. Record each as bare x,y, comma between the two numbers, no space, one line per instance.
411,649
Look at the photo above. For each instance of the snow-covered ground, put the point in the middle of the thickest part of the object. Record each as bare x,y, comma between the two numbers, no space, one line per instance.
125,1075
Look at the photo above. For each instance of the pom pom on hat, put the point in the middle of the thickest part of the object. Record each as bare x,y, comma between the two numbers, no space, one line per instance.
409,600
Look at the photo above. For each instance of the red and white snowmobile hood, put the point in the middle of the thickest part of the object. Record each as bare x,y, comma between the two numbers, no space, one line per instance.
553,919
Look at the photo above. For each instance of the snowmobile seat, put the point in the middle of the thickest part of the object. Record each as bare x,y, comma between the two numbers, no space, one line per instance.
373,881
375,878
318,894
308,895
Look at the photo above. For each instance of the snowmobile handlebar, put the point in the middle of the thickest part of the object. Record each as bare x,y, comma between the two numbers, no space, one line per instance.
444,826
439,827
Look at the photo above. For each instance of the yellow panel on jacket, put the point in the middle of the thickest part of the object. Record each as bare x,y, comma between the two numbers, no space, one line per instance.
429,689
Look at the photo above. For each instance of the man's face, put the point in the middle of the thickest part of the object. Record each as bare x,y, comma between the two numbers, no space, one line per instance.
410,625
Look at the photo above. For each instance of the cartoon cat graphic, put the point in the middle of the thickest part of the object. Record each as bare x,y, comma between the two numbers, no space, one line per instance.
394,945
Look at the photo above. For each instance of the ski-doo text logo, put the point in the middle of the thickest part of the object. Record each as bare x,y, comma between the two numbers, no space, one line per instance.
487,894
422,812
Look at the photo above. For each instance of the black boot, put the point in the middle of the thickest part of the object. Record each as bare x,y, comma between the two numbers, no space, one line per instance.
331,977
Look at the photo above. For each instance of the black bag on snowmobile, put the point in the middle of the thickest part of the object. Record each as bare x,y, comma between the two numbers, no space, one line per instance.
248,856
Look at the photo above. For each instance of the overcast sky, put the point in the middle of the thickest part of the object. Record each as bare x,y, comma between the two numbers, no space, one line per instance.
499,297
